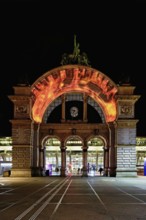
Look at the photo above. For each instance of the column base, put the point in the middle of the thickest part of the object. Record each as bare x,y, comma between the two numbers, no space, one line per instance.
36,171
112,172
63,172
85,172
122,172
105,172
20,172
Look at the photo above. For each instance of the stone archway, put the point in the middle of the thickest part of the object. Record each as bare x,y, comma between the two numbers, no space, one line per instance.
50,161
74,78
74,154
117,104
97,155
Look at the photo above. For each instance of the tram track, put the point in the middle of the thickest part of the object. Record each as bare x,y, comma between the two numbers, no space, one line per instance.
25,197
38,207
74,197
10,189
45,199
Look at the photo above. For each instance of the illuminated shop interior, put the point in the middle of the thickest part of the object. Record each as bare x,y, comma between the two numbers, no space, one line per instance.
74,154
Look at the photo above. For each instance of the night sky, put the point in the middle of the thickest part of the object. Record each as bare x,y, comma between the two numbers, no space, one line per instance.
35,34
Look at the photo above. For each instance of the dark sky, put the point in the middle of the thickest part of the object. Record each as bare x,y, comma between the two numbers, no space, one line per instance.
34,35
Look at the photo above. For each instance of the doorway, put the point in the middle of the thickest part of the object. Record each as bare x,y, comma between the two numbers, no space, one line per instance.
95,156
74,156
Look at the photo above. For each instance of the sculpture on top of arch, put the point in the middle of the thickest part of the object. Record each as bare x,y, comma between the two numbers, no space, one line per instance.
75,75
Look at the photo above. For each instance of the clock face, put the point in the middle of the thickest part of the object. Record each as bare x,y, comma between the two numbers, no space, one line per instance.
74,111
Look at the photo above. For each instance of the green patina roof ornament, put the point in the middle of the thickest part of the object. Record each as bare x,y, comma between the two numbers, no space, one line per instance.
75,57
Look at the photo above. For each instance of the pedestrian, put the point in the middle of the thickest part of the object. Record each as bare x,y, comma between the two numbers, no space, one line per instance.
100,170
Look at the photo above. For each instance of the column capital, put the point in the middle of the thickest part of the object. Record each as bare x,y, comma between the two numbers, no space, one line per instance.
112,124
84,149
62,147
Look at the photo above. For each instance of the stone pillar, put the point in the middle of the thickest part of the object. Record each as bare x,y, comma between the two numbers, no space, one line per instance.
70,157
97,159
41,161
36,168
56,159
126,148
44,158
63,159
22,148
126,131
85,97
112,150
106,161
85,168
21,132
63,108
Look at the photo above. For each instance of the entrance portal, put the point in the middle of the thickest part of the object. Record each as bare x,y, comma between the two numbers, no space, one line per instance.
95,156
74,156
52,157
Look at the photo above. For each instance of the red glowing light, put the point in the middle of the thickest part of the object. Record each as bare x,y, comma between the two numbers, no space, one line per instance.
70,79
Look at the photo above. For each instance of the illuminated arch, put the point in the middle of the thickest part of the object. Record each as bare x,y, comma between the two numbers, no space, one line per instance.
44,140
73,78
77,137
103,139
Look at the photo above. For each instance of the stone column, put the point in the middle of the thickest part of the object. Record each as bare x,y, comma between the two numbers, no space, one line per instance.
44,158
42,162
97,159
63,159
112,150
70,157
56,159
63,108
85,98
36,169
85,169
106,161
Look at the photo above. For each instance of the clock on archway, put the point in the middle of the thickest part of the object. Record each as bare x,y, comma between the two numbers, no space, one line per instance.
74,111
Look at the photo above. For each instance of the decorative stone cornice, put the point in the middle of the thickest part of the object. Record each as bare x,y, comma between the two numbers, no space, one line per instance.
126,89
22,89
132,98
126,123
141,141
14,98
24,122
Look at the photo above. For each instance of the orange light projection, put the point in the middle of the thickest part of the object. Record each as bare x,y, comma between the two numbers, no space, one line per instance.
70,79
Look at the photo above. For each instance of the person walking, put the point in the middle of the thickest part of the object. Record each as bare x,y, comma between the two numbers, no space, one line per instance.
100,170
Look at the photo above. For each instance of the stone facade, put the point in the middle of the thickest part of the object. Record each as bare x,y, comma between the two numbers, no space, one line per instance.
118,130
126,132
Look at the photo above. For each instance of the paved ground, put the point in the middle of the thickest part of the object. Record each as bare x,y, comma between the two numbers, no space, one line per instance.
73,198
